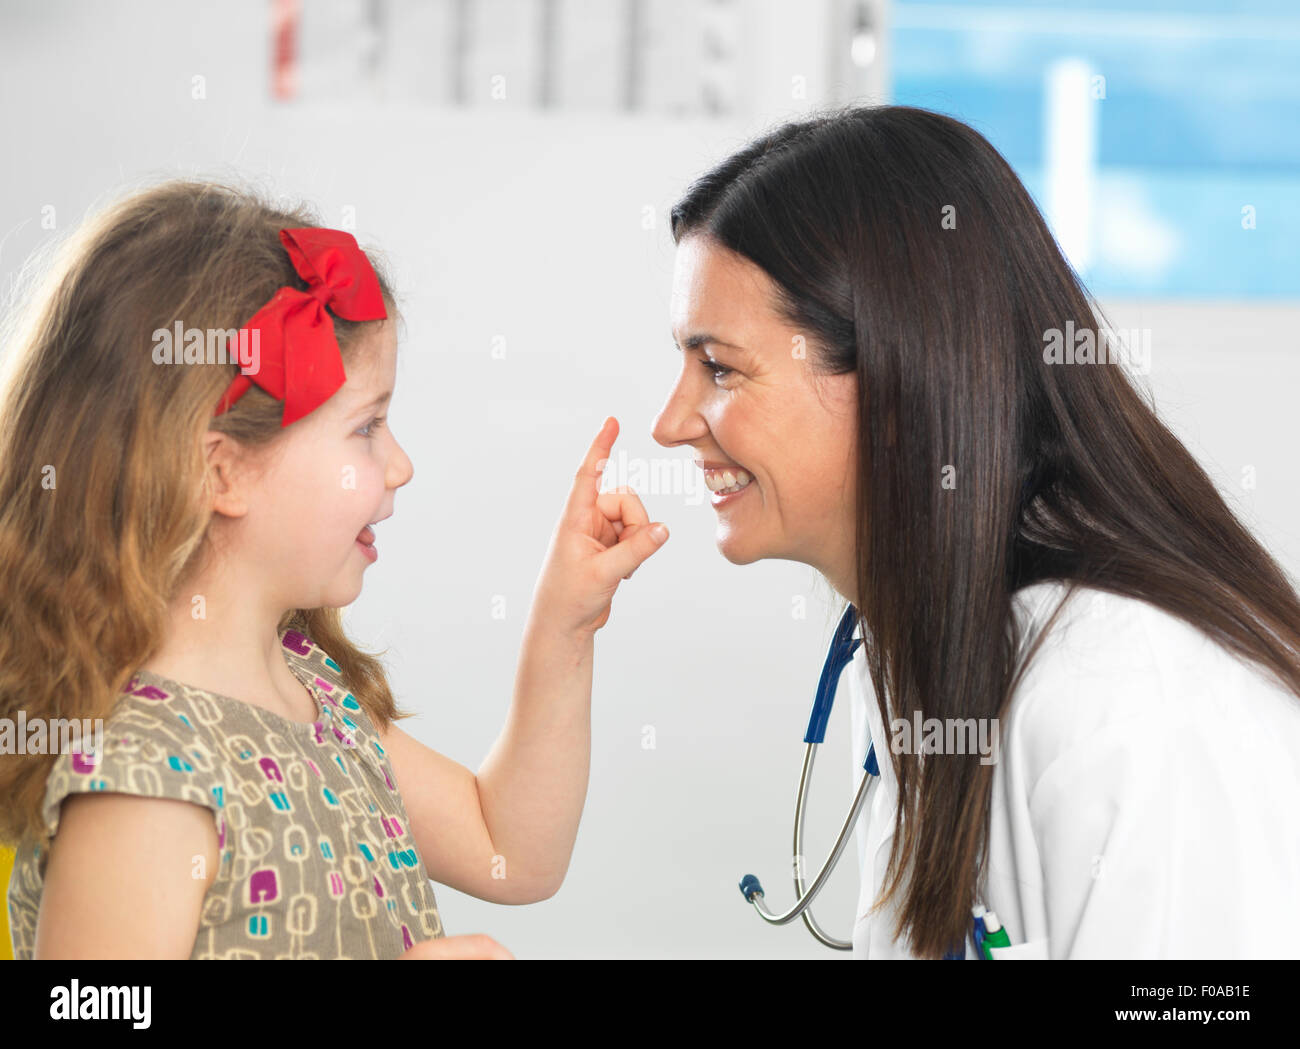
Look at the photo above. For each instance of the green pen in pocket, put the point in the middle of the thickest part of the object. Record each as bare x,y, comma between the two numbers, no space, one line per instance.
994,935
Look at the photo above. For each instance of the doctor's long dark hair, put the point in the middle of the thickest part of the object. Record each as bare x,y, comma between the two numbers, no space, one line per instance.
1061,472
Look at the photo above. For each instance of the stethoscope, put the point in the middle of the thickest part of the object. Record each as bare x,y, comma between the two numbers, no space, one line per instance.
843,645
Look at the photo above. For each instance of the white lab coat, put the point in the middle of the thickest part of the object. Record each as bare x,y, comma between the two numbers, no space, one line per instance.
1146,799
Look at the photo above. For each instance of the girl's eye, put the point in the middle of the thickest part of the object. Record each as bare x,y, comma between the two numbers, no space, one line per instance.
376,421
716,368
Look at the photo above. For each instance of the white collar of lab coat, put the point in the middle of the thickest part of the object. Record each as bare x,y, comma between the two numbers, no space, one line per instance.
875,730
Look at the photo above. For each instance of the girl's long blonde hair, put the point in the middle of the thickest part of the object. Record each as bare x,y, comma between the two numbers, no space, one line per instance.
104,489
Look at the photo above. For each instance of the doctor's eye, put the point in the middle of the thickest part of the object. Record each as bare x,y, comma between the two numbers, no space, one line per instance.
716,368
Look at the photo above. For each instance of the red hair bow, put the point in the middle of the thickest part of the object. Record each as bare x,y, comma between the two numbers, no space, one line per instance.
299,358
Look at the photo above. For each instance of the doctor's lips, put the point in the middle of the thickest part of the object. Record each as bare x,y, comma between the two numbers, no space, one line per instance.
722,479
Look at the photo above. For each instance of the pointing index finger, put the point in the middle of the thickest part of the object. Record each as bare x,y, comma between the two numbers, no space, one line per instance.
586,483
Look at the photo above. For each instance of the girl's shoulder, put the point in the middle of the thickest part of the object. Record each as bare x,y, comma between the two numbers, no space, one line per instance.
171,739
154,743
315,667
351,726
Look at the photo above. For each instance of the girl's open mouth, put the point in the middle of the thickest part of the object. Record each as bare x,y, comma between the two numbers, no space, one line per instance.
366,540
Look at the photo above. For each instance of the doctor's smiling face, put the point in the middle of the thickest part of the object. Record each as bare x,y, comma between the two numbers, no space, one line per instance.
752,403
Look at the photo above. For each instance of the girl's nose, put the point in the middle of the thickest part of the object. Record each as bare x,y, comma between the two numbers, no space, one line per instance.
400,470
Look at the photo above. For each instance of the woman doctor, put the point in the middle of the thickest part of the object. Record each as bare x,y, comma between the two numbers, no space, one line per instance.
871,314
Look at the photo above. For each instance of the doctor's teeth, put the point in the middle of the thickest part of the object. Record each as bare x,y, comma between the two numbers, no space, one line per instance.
724,482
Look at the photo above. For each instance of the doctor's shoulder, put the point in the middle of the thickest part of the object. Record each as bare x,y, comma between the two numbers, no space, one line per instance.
1108,663
1097,659
1135,749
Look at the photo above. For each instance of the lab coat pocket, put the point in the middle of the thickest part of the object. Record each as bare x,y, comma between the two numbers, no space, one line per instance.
1032,950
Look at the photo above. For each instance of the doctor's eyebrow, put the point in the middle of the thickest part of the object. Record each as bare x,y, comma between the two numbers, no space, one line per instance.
702,338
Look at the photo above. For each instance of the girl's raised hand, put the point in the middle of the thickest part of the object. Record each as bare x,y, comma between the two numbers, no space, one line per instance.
600,540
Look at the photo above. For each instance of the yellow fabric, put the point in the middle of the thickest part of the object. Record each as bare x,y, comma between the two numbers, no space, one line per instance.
6,866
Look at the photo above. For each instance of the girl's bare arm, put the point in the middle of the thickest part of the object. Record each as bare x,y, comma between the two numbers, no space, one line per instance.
126,878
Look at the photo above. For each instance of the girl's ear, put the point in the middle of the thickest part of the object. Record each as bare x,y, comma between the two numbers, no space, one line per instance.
227,476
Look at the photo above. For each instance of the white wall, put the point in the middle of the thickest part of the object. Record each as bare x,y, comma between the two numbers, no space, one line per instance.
506,223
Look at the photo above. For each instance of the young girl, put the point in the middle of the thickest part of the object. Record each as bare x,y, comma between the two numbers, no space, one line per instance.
178,531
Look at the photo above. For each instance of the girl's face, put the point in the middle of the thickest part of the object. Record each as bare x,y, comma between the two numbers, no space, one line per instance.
335,471
747,399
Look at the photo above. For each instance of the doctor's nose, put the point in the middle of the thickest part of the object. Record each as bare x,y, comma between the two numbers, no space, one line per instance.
678,422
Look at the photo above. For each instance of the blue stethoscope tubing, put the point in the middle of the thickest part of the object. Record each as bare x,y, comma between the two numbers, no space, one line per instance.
840,655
